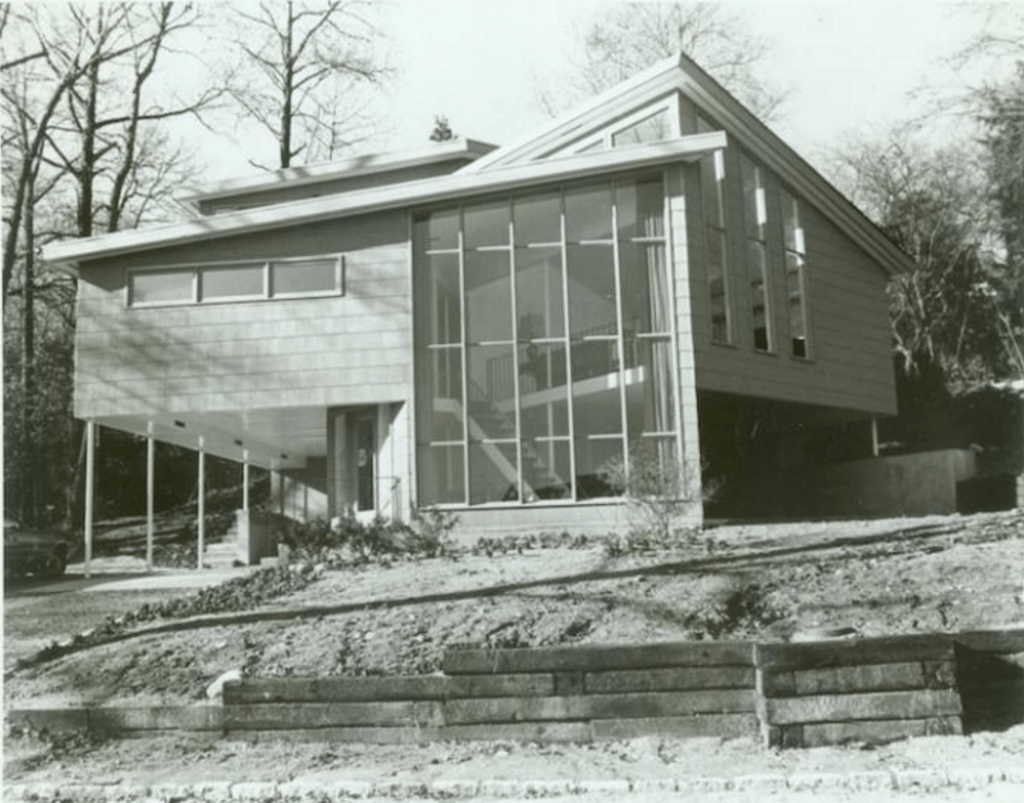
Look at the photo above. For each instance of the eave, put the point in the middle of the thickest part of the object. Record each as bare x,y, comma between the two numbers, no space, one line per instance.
369,164
436,190
681,74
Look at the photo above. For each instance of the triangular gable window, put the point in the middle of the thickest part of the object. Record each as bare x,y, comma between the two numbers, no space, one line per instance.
653,123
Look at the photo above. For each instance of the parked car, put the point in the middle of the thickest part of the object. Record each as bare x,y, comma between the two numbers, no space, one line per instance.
37,552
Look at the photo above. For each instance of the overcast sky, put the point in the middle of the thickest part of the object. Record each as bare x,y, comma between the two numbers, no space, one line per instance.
849,66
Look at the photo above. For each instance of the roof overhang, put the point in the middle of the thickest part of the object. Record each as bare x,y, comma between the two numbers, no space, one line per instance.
368,164
419,193
681,74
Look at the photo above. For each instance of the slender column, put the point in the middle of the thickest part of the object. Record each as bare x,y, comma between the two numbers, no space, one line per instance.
201,523
245,479
90,487
874,436
150,465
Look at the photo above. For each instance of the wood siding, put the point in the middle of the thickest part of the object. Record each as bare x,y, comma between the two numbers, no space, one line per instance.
850,364
349,349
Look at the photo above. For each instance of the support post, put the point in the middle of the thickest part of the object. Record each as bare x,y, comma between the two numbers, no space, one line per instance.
150,466
90,487
201,506
874,436
245,479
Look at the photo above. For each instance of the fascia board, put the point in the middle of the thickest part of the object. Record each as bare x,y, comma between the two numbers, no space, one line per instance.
355,166
447,188
657,79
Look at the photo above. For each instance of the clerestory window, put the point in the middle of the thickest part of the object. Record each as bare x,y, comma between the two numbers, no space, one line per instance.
795,249
755,221
236,281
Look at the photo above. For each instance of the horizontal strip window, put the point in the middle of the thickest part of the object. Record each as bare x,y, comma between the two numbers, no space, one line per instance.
237,281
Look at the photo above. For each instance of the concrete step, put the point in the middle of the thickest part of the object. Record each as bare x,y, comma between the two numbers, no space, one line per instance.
221,554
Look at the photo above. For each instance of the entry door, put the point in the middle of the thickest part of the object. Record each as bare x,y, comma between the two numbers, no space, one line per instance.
366,449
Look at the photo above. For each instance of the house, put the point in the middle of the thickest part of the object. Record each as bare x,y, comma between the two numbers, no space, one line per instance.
490,328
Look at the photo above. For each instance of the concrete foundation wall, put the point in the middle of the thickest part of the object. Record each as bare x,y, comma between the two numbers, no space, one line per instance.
904,485
576,519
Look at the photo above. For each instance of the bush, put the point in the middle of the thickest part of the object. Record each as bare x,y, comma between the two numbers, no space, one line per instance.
659,490
350,541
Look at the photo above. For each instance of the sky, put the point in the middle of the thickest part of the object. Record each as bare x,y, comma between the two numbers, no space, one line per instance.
848,66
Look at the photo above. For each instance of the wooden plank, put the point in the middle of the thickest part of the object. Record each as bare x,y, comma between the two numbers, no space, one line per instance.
274,716
669,679
867,732
521,685
269,690
726,726
569,683
365,689
360,734
544,732
50,719
854,652
156,718
876,705
847,679
598,657
998,641
599,706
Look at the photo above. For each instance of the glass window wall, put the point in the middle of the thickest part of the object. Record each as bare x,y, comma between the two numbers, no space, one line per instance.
543,342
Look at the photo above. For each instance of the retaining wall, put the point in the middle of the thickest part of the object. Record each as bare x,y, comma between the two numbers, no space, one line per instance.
787,694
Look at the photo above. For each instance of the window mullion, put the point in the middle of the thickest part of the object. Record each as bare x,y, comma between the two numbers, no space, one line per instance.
567,340
620,340
465,366
517,405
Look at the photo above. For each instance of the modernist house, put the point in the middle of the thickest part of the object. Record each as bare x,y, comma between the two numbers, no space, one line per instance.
490,328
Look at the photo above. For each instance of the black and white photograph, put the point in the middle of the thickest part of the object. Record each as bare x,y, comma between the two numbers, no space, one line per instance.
577,400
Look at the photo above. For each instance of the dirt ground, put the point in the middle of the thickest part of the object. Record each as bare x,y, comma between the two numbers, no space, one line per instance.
940,574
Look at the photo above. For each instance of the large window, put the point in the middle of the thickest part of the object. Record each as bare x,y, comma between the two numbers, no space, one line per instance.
236,281
712,183
796,278
755,220
654,123
543,343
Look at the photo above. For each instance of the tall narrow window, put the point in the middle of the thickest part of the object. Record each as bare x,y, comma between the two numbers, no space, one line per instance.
755,226
796,280
712,182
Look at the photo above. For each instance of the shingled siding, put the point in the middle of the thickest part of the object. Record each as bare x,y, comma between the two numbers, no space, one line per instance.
348,349
850,363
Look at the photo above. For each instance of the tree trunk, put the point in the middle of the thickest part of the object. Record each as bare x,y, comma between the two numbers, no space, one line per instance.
29,507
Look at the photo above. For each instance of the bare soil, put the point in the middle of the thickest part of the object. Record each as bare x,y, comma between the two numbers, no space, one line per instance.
766,581
940,574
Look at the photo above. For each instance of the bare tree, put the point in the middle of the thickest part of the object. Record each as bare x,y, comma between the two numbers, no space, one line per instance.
629,37
305,67
954,311
80,151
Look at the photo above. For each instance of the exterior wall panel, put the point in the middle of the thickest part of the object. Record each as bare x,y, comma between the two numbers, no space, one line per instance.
348,349
850,363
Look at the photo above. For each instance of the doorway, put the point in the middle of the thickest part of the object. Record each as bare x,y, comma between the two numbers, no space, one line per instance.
365,453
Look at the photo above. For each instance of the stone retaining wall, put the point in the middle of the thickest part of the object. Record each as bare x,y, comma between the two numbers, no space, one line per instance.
788,694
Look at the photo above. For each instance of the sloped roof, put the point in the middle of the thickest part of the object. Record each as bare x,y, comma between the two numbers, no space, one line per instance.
681,74
529,161
398,196
362,165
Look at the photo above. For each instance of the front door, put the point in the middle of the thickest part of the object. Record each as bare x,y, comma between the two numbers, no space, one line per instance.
366,448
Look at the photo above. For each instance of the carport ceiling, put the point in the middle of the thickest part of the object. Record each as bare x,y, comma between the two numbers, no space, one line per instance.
274,437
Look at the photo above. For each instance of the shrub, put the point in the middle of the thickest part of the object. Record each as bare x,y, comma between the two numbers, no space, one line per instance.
347,540
432,528
659,490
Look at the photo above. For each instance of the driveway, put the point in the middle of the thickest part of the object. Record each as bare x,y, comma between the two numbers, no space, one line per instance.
39,611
